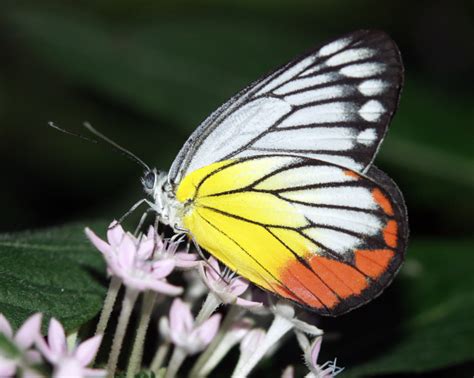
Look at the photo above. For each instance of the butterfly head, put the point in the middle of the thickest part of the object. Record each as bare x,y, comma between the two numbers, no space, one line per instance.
149,181
155,183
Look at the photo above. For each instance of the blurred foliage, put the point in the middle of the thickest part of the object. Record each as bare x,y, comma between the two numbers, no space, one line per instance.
55,272
146,73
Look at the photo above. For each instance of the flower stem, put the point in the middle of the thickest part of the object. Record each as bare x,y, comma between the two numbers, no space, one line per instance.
109,302
279,327
127,307
202,362
159,357
177,359
137,351
208,307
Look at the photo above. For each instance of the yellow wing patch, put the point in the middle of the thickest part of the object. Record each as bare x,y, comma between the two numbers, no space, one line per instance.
316,254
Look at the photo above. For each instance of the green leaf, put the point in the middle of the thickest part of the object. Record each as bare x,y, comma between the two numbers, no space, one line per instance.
54,271
8,348
424,322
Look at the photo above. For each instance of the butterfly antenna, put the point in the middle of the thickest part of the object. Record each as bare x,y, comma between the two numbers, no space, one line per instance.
54,126
115,145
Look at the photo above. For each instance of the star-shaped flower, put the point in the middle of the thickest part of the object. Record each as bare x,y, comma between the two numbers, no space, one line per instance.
132,259
226,286
69,361
23,356
182,330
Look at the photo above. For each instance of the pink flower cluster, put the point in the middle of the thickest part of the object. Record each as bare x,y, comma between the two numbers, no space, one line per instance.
28,350
142,262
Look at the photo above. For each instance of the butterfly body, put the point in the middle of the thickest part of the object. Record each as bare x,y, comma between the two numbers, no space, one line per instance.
278,183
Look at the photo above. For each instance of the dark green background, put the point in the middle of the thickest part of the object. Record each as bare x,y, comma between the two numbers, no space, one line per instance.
146,73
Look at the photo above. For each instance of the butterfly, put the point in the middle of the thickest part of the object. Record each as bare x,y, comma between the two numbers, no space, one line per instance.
279,183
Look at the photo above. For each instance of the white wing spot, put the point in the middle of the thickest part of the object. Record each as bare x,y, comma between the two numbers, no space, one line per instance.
301,176
287,75
332,112
313,95
343,161
335,46
355,221
337,241
342,196
350,55
363,69
373,87
239,129
371,111
320,138
306,82
367,137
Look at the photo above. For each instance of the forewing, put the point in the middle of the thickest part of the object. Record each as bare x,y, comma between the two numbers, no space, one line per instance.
319,234
333,104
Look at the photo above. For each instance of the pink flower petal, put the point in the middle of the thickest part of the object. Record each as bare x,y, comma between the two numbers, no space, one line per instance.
315,348
164,327
181,319
238,286
7,368
207,330
186,260
29,331
155,237
213,270
126,253
101,245
145,249
5,327
135,283
164,287
45,350
33,356
163,268
115,233
68,367
87,350
56,338
247,304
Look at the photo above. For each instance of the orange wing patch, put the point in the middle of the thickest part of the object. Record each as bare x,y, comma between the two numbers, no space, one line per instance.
342,278
390,233
301,281
323,283
373,262
382,201
352,174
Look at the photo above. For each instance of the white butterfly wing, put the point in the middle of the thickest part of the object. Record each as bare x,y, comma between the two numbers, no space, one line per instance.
333,104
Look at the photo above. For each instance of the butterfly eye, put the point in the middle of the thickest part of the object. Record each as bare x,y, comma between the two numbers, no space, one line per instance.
149,180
